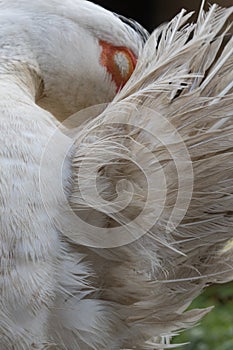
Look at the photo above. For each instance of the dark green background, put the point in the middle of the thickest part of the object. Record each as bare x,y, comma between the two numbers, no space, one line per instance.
215,331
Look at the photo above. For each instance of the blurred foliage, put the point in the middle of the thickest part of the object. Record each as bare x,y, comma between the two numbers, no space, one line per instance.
215,331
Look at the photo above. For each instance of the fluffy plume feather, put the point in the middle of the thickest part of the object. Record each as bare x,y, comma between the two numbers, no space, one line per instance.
162,152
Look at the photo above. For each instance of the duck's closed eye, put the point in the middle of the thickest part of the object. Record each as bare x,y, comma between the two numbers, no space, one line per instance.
119,61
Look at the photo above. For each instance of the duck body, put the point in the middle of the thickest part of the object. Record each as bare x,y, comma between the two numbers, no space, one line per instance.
29,242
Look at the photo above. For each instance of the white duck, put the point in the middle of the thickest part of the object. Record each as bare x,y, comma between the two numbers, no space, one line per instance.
124,264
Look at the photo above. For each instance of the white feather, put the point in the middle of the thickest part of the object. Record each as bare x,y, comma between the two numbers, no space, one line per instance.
187,86
149,179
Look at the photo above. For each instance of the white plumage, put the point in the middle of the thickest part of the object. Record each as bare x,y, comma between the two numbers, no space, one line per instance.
115,220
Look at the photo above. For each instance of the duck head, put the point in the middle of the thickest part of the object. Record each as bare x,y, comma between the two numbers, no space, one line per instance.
82,53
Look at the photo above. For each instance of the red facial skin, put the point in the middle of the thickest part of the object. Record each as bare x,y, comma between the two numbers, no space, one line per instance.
107,60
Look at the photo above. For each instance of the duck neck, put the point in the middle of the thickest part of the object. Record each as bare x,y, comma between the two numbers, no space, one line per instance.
19,82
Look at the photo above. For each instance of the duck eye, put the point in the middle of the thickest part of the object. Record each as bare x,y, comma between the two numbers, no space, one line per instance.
119,61
125,63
